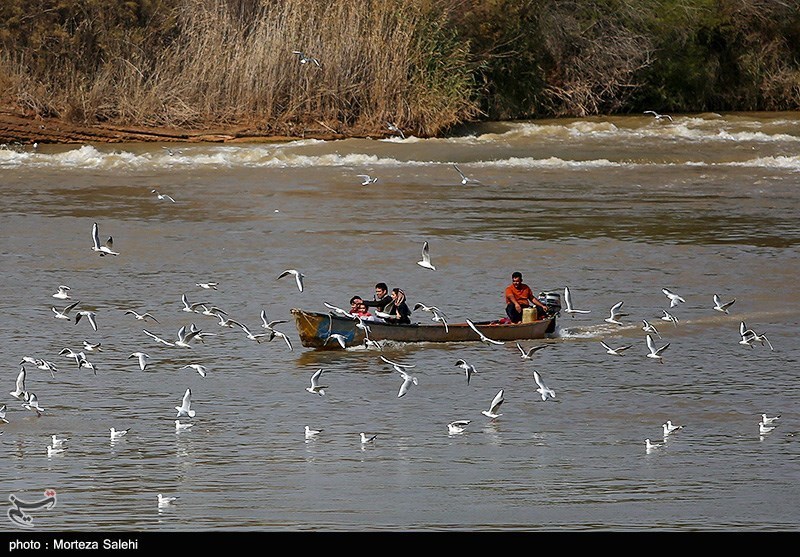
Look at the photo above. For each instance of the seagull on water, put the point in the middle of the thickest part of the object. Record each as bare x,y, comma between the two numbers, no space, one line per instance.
543,389
767,420
101,249
315,387
201,369
89,315
64,314
52,451
658,116
655,353
669,317
457,427
722,307
89,347
764,429
157,338
19,391
484,338
619,351
185,409
669,427
141,316
568,301
365,439
311,433
62,293
648,328
3,415
142,357
528,354
298,277
497,401
469,369
616,313
182,426
650,446
57,441
164,501
393,127
367,179
674,299
162,196
207,285
426,258
117,434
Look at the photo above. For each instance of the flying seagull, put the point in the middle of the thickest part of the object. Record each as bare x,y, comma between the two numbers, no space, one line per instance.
201,369
62,293
141,316
393,127
426,258
89,315
658,116
185,409
143,359
654,352
315,387
619,351
484,338
527,354
64,314
719,306
464,178
102,249
495,406
568,301
367,179
298,277
616,313
649,328
469,369
162,196
543,389
674,299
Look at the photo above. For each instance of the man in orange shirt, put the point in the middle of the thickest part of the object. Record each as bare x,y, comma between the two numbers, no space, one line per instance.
518,297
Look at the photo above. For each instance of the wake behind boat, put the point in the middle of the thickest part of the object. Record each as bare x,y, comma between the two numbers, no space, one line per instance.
315,330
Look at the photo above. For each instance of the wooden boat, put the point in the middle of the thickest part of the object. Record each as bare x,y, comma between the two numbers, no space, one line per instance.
315,329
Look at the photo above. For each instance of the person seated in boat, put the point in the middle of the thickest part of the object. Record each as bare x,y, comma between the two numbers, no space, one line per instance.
520,296
358,307
397,311
382,297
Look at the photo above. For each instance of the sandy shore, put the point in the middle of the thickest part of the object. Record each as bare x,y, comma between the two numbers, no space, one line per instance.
17,128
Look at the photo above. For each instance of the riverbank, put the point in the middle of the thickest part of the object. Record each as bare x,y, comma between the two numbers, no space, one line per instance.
18,128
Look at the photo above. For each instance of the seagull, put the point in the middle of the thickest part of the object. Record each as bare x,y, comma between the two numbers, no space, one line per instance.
56,441
408,379
213,311
365,439
191,308
763,428
674,299
273,333
464,178
397,364
495,406
304,59
484,338
669,317
117,434
141,316
41,364
3,415
64,313
315,387
426,258
156,338
658,116
51,450
62,293
719,306
185,408
164,501
83,362
90,315
527,355
339,338
32,403
438,315
182,427
162,196
393,127
669,428
19,391
469,369
143,359
616,312
184,338
543,389
202,370
89,347
648,328
650,446
619,351
458,426
568,302
335,311
310,433
104,249
269,324
367,179
655,353
207,285
767,420
254,337
298,277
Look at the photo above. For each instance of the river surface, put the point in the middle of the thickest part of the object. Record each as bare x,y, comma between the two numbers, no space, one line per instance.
614,208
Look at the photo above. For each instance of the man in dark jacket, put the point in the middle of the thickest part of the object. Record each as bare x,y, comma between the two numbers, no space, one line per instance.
382,297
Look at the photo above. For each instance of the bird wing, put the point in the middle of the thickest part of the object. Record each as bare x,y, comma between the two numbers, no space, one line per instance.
660,350
187,399
496,402
651,344
96,236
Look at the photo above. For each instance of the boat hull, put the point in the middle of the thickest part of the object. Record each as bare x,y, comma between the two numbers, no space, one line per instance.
315,329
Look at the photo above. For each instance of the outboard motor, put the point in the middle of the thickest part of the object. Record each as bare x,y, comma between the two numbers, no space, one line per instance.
552,300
